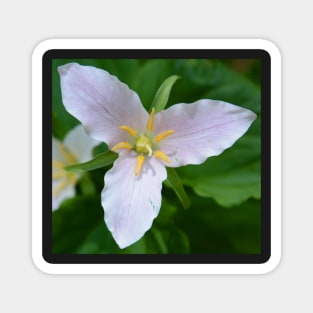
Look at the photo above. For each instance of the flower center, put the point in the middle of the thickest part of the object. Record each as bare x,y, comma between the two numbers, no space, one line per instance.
145,144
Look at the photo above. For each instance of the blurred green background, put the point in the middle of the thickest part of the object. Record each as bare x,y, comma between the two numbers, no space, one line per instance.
225,212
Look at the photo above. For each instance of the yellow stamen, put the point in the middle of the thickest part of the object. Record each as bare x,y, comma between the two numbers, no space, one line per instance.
150,122
66,154
161,155
130,130
68,179
58,175
57,164
122,145
140,160
163,135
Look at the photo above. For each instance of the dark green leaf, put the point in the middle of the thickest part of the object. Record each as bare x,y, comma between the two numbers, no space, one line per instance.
211,228
98,241
159,240
167,213
73,221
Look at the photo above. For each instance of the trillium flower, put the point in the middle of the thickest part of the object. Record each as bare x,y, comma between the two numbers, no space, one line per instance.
76,147
146,143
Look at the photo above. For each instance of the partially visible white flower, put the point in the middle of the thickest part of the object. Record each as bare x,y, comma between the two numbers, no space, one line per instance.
180,135
76,148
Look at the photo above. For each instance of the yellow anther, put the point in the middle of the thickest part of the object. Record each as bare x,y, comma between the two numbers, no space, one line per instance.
140,160
66,180
130,130
150,122
163,135
57,164
161,155
66,154
122,145
58,174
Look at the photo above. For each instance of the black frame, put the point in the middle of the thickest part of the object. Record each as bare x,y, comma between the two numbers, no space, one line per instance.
265,59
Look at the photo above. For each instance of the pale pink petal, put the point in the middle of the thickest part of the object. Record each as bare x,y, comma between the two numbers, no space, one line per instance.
131,202
101,102
80,144
65,193
202,129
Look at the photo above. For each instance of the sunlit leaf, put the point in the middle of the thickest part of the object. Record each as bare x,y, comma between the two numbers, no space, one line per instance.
231,187
161,97
101,160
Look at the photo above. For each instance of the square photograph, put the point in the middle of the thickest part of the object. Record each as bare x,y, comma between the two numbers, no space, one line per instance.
156,156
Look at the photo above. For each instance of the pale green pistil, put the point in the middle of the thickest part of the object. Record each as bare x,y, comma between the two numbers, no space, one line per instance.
144,145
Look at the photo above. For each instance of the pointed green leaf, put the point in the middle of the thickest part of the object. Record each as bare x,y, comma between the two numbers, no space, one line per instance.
177,186
99,161
161,97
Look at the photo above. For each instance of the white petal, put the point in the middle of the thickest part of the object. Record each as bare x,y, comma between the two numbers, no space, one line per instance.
101,102
56,153
202,129
63,187
80,144
67,192
131,202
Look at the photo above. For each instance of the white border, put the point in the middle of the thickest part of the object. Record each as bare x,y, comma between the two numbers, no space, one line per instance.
152,268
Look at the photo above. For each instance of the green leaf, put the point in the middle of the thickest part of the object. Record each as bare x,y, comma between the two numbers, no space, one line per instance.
161,97
213,79
139,247
177,186
86,184
177,241
98,241
231,187
167,213
170,239
73,222
211,228
101,160
159,240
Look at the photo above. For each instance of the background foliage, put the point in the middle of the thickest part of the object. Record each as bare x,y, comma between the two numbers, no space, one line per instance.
224,215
